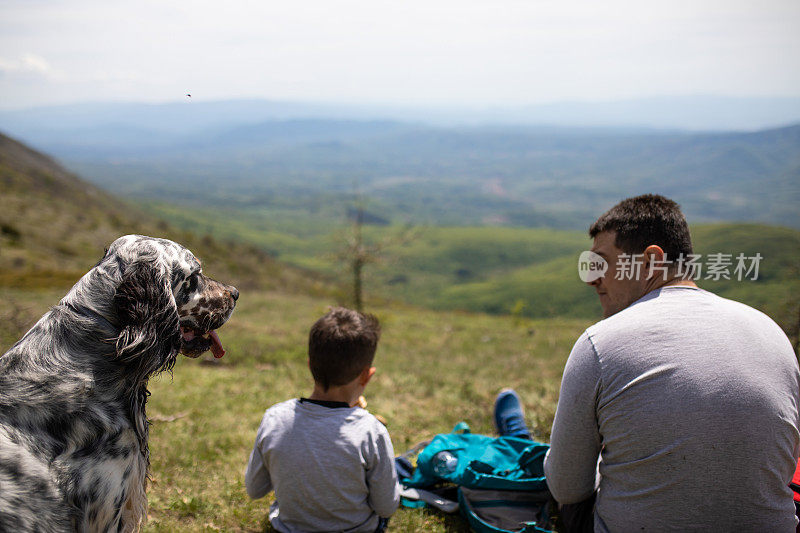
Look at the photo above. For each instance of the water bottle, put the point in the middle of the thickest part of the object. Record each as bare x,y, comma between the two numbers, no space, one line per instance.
444,463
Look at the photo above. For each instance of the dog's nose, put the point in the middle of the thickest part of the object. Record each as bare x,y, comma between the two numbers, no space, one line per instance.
234,293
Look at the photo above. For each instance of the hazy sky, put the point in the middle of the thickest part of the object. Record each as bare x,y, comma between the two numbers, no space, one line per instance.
404,51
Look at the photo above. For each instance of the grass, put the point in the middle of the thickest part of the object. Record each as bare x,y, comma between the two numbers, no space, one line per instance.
434,370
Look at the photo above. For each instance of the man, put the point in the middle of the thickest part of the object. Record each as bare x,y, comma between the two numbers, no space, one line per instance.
689,400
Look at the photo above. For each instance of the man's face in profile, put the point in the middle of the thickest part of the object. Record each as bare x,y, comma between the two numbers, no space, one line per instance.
615,294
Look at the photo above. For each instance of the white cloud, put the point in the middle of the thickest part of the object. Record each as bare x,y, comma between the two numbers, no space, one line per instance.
26,64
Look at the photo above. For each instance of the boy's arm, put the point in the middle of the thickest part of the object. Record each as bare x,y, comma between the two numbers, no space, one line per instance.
384,492
256,478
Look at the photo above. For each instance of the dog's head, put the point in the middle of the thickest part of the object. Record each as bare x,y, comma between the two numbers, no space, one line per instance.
203,305
164,303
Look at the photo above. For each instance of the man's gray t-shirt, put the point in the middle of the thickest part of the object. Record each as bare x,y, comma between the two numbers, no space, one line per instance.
692,402
332,469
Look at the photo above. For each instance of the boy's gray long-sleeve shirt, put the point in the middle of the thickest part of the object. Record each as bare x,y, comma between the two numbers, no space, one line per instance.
691,400
332,469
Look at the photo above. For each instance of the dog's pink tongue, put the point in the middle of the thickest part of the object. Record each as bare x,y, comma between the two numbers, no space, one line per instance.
216,345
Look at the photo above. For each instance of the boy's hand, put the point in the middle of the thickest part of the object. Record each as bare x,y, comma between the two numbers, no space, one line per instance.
362,403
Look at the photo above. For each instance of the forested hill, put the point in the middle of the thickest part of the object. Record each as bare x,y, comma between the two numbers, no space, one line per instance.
54,227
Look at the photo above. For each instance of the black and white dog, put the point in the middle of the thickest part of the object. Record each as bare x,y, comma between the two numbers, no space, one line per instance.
73,427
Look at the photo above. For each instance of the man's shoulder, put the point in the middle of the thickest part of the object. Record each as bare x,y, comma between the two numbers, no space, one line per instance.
704,304
658,308
683,309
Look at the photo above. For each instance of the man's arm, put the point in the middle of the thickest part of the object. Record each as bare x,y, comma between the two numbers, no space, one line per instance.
256,478
384,491
575,442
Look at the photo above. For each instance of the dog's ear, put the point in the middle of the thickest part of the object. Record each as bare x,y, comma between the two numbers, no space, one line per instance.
150,337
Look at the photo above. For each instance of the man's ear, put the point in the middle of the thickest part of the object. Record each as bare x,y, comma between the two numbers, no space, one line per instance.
653,255
366,375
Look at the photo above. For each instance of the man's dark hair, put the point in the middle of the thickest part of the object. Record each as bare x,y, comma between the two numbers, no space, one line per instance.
341,345
644,220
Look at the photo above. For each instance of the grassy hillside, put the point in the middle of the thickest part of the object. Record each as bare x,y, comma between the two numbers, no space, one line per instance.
551,287
55,226
205,415
530,272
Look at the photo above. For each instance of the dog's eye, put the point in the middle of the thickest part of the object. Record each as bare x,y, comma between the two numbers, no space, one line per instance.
191,283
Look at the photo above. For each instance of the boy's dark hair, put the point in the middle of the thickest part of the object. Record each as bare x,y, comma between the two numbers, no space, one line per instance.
341,345
644,220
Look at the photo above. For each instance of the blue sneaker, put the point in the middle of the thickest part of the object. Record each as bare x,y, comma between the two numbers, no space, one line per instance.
509,417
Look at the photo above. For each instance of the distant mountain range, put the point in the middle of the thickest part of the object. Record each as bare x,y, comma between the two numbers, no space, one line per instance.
696,113
430,168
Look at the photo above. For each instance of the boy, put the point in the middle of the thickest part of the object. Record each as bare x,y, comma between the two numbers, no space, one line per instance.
330,462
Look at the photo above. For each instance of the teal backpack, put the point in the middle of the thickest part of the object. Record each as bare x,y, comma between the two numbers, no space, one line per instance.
501,483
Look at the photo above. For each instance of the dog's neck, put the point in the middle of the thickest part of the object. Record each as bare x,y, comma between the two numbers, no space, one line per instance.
93,295
84,310
90,301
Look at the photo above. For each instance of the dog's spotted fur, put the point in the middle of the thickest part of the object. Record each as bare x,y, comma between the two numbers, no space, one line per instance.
73,427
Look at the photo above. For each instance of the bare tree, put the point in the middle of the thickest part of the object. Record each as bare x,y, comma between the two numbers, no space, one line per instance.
356,253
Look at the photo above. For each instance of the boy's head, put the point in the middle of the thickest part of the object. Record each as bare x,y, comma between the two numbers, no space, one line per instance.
341,345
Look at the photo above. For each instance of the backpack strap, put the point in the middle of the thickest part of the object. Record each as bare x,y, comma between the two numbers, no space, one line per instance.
430,498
